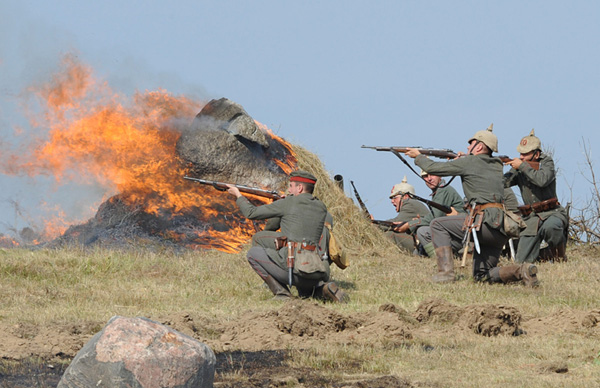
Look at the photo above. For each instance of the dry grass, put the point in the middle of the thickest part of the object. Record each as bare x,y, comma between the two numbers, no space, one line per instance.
74,285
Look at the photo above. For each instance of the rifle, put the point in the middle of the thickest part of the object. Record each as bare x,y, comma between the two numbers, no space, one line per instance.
437,152
505,159
360,202
390,224
368,215
436,205
272,194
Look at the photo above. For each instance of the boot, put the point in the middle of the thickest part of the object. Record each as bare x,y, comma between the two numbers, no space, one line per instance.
445,265
525,272
559,253
330,291
281,292
430,250
528,275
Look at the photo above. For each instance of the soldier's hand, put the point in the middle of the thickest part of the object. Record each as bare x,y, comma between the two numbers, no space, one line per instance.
412,152
233,190
453,212
515,163
400,227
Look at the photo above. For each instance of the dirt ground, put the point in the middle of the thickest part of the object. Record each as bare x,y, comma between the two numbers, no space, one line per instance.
252,349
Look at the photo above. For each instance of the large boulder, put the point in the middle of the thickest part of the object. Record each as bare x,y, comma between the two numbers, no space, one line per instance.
138,352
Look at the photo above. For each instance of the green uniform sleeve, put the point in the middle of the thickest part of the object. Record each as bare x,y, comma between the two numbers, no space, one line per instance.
252,212
542,177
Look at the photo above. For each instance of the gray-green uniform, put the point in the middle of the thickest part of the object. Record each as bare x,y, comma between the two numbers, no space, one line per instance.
301,218
444,195
482,184
409,209
536,186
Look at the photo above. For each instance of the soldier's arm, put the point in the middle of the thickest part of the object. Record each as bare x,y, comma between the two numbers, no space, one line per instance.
450,168
250,211
510,178
542,177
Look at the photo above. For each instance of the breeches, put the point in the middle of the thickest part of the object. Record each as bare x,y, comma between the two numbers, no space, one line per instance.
262,264
551,230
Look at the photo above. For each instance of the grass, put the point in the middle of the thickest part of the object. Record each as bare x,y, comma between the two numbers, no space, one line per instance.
68,285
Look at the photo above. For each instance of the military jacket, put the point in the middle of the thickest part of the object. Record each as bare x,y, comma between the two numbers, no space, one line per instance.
409,209
301,217
536,186
481,177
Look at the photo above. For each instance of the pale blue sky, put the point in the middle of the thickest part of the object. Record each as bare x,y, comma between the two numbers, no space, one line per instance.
332,75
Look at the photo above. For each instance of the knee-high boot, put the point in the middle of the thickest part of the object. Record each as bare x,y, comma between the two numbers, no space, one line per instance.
445,265
526,273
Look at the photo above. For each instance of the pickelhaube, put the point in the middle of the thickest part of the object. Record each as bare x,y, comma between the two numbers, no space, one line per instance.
402,188
487,138
529,143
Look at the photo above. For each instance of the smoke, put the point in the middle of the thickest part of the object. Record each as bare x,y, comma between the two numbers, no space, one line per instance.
31,53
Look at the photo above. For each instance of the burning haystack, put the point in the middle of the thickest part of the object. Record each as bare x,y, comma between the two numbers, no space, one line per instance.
223,143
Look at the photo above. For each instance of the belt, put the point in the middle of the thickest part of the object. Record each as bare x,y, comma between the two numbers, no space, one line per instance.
538,207
282,241
474,211
300,246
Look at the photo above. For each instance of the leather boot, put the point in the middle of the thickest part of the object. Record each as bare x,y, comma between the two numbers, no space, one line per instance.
280,291
526,273
559,253
430,250
333,293
445,261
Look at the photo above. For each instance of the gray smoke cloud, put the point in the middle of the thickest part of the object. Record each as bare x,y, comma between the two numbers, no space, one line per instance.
30,53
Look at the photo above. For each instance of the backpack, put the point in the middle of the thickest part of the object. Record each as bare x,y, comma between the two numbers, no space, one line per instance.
336,251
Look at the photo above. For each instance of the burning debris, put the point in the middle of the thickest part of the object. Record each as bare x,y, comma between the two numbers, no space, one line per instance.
224,144
142,151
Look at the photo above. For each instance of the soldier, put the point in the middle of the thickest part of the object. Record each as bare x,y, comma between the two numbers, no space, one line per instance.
301,218
408,210
543,215
444,195
481,175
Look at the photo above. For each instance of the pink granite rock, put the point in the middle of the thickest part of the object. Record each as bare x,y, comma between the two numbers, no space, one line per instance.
137,352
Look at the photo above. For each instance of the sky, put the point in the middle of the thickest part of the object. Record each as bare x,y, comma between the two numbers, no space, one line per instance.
329,76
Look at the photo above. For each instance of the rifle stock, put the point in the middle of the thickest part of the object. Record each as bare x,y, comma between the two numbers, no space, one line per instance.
436,205
505,159
437,152
221,186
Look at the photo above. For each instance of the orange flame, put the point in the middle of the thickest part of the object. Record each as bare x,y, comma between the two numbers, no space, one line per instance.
96,136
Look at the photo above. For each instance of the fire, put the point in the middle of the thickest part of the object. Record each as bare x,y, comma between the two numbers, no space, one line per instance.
94,135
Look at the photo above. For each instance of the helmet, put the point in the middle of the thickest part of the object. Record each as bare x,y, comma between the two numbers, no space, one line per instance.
402,188
529,143
487,138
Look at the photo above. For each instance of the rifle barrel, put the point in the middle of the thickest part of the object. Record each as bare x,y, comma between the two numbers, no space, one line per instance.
221,186
443,153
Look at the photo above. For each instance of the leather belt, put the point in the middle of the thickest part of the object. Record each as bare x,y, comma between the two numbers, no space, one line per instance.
538,207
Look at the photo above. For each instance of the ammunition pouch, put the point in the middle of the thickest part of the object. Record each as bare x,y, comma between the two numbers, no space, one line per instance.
539,207
307,262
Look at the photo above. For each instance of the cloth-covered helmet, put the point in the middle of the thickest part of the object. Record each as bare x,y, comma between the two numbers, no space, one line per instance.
529,143
487,138
402,188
